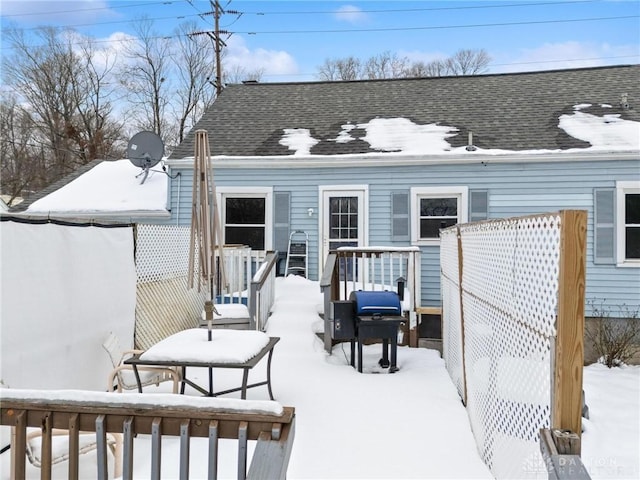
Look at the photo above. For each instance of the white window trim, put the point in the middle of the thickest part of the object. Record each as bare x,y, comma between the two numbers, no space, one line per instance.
623,188
247,192
462,193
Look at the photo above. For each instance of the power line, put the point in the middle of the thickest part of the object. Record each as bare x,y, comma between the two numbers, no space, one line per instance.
63,27
389,29
171,2
394,10
439,27
80,10
240,13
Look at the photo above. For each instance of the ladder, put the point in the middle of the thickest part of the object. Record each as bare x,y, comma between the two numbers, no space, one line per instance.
297,254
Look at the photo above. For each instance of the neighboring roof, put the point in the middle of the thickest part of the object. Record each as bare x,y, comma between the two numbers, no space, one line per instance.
54,186
110,188
551,111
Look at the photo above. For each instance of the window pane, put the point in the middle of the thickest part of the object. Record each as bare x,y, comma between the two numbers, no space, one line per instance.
343,216
632,208
632,242
430,228
244,211
438,207
252,236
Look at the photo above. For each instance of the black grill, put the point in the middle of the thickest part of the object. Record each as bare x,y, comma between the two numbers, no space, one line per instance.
369,315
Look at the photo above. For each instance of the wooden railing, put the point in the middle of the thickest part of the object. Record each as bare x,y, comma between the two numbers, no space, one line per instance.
372,268
134,417
262,292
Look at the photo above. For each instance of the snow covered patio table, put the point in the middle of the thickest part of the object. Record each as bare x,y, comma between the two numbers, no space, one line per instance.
227,349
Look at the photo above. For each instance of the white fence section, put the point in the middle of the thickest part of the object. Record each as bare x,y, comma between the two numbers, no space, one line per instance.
165,304
502,282
64,284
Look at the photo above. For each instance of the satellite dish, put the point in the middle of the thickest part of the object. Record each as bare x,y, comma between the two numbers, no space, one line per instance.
145,150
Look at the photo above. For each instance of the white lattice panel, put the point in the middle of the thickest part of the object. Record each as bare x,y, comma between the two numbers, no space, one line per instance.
509,290
162,251
165,304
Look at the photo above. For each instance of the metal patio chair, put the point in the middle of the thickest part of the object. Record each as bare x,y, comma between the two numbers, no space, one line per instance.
60,447
122,376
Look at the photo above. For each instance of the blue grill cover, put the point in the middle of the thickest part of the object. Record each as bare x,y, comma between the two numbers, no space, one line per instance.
376,302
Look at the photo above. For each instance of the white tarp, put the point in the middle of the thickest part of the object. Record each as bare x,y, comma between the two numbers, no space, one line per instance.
63,289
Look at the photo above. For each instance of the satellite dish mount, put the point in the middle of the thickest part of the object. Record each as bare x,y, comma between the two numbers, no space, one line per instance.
145,150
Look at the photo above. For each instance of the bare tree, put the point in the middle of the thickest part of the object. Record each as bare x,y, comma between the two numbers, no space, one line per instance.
96,133
328,71
239,74
194,62
147,77
20,165
60,89
386,65
435,68
468,62
43,77
349,68
389,65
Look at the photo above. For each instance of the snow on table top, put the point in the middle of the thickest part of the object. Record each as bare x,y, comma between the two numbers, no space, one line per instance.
226,346
141,400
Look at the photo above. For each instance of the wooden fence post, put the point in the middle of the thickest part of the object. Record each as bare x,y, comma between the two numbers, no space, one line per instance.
569,350
461,303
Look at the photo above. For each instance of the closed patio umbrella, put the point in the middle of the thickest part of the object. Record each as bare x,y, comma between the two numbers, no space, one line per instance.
206,233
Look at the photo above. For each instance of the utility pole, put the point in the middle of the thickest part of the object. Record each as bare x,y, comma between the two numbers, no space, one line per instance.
218,47
218,43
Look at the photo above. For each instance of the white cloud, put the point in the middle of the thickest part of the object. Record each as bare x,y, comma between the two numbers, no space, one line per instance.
273,62
350,14
571,54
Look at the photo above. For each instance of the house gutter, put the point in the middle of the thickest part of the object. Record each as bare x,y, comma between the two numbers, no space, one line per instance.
125,215
368,160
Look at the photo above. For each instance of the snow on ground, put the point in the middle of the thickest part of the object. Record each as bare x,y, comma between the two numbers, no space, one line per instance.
379,426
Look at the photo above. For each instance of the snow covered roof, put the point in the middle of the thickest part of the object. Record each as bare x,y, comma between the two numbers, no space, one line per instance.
403,137
109,189
591,109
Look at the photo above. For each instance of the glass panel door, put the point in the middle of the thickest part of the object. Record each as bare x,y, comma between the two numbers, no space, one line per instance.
343,222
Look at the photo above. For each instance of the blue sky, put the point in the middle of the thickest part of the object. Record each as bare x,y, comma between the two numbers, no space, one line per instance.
290,39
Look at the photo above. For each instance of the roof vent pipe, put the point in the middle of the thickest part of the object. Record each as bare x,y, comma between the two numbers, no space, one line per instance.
624,101
470,147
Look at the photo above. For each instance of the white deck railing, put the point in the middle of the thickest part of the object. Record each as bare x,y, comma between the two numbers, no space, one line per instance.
262,293
372,268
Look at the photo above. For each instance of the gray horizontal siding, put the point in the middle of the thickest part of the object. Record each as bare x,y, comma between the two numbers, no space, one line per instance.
513,189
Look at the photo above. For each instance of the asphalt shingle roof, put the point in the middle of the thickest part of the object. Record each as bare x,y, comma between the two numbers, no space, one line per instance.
504,111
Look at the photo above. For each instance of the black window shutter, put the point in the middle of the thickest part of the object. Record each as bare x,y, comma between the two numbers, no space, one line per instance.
604,245
400,216
281,221
478,205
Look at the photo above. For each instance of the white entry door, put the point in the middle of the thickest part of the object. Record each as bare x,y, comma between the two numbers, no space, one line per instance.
343,218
